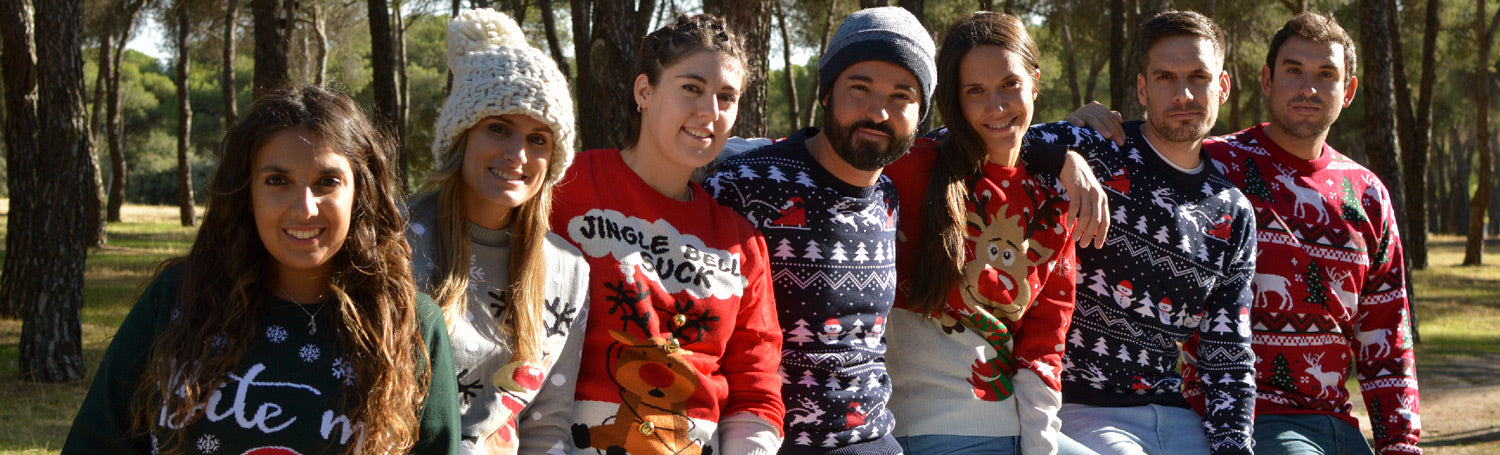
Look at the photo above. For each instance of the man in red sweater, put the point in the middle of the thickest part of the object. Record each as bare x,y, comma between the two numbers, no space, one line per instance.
1330,291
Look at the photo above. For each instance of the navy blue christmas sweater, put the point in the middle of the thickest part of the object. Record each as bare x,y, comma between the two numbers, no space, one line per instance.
1176,266
833,269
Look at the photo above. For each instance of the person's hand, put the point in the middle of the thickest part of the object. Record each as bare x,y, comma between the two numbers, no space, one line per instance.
1088,206
1109,124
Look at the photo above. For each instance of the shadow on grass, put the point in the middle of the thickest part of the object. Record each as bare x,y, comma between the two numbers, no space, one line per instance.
1464,438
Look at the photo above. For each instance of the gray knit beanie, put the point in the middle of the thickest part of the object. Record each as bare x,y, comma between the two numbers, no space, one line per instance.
496,73
889,34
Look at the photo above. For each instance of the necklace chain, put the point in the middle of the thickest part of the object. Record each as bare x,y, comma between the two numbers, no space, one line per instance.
312,319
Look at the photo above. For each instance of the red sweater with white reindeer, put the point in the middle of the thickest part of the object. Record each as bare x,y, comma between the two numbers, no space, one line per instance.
951,370
682,327
1329,287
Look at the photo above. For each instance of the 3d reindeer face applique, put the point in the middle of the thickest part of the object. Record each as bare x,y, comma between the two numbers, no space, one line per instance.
995,279
655,383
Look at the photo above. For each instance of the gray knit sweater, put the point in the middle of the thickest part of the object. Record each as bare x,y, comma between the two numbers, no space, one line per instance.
497,395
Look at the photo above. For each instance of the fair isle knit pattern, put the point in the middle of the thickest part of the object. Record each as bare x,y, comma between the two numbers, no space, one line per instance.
1329,288
496,73
833,267
1176,267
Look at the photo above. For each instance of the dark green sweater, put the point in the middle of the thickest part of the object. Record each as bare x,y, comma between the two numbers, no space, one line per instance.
284,395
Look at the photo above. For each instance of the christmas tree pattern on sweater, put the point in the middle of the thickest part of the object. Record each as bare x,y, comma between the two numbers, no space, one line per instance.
833,267
1176,267
1329,288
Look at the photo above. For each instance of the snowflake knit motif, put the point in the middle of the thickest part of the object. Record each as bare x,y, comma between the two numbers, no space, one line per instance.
208,444
276,333
344,370
308,353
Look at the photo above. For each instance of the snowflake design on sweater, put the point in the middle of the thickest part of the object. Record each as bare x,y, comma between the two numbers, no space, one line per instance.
308,353
344,370
276,333
476,274
208,444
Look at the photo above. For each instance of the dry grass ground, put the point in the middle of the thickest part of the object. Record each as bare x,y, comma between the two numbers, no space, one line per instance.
1458,357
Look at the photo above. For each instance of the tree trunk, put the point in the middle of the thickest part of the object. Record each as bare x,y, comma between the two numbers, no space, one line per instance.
1142,12
618,28
383,65
582,13
47,238
873,3
320,73
1416,158
116,121
1462,153
1070,65
403,97
549,25
1381,147
1119,86
184,123
518,11
226,78
1481,201
752,20
101,80
96,124
813,100
21,148
1093,81
790,74
917,8
272,38
1413,160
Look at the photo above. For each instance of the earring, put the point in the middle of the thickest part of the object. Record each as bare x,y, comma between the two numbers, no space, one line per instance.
638,108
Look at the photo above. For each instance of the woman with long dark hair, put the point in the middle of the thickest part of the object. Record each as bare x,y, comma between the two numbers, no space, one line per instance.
292,325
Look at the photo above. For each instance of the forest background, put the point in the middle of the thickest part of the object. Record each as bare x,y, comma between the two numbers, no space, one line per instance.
91,126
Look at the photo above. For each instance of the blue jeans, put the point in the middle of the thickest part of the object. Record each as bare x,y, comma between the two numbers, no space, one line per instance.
1308,434
1135,430
944,444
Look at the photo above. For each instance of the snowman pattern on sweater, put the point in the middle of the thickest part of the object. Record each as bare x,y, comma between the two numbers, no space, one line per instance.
833,268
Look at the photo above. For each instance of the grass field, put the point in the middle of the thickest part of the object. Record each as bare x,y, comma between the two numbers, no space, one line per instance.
1458,310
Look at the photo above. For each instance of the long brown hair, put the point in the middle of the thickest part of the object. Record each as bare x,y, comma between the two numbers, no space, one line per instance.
528,267
940,251
224,277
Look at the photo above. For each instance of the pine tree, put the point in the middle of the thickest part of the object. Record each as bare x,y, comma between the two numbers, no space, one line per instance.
784,249
853,385
1281,374
781,371
800,334
807,379
806,181
860,253
1124,354
775,174
831,441
747,173
1140,226
1350,207
1120,217
833,383
812,251
1143,359
1075,338
1101,347
1186,245
880,251
803,439
1377,418
1255,185
1222,322
838,252
1317,289
1162,235
1383,252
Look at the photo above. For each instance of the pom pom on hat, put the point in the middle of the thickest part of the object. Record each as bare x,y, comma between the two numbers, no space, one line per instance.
495,73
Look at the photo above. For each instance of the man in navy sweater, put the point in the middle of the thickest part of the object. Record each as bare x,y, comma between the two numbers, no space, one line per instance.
1176,268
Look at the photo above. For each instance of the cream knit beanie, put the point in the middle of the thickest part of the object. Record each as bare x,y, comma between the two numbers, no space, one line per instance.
495,72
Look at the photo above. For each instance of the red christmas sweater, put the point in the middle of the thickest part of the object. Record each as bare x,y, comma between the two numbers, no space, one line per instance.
1329,287
1013,305
682,327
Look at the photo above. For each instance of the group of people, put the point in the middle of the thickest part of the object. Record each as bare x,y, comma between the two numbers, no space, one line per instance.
1081,287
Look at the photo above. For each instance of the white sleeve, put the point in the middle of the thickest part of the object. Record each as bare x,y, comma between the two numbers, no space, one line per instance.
745,434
